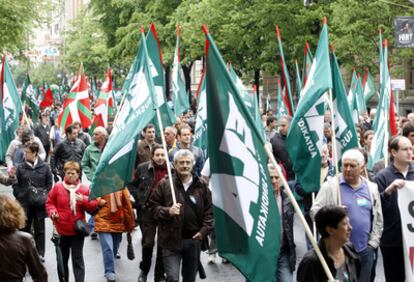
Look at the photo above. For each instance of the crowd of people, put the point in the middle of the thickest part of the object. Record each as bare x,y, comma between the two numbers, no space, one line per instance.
356,213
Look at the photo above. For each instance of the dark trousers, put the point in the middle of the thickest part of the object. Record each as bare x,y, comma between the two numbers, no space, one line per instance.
74,243
149,230
38,222
393,258
190,256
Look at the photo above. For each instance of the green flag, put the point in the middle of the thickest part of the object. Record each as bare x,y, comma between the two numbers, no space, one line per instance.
298,79
345,132
306,128
180,98
200,131
10,108
369,86
352,98
381,125
28,97
157,72
250,100
118,158
281,107
245,211
286,89
307,63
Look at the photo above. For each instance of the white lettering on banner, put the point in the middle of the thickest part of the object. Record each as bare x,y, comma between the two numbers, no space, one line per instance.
406,207
264,210
241,191
308,139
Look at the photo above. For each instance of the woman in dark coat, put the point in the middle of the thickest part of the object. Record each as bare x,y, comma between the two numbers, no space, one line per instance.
17,247
333,225
38,173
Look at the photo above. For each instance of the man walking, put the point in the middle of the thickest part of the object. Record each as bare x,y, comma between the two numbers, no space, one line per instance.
183,225
147,177
362,199
390,180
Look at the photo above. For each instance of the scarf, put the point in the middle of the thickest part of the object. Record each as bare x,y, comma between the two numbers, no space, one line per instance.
72,188
159,172
115,201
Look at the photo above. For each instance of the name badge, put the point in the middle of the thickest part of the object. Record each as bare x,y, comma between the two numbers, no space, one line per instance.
362,202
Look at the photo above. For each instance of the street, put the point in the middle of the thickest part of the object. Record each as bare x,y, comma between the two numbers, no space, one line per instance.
128,271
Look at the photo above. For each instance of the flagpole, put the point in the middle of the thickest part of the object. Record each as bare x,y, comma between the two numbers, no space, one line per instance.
298,211
120,107
386,133
334,148
164,145
313,222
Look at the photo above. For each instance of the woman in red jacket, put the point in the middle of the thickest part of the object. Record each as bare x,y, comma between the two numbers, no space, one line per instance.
66,203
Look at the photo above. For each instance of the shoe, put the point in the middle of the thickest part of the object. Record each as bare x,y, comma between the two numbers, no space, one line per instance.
118,256
211,259
94,236
42,258
110,280
223,260
142,277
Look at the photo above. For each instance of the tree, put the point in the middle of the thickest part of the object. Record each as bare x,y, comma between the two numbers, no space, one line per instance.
86,42
17,19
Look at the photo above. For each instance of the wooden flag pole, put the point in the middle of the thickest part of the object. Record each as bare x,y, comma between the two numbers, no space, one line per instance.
167,160
298,211
334,148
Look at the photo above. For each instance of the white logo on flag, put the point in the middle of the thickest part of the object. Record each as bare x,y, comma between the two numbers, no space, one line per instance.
237,192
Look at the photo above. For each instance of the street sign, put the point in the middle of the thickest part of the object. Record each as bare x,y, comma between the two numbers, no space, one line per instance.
397,84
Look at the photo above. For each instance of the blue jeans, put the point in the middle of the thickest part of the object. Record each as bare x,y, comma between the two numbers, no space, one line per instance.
189,254
368,262
109,245
283,273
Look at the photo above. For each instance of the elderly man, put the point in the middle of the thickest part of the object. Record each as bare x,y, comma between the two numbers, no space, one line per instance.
389,180
184,224
170,134
362,199
93,152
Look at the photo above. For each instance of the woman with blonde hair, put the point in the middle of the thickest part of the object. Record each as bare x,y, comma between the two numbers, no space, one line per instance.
17,246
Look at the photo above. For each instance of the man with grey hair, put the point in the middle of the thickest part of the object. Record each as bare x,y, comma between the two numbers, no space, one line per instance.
362,199
93,152
170,133
91,159
183,225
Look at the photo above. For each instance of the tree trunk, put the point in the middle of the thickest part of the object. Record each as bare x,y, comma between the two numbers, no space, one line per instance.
257,83
167,81
187,77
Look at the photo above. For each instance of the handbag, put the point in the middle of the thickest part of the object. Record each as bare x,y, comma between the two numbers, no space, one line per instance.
82,227
37,196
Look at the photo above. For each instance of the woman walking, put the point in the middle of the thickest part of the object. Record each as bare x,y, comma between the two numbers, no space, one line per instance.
66,204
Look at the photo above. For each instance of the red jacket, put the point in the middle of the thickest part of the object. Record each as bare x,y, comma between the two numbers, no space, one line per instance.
58,201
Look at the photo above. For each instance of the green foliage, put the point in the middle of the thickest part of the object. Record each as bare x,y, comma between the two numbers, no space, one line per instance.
86,43
17,20
243,30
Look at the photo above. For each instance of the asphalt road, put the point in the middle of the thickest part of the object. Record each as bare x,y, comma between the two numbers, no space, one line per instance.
129,270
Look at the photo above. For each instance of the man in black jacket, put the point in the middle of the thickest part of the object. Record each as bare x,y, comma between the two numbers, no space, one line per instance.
42,131
279,147
147,176
70,149
184,224
389,180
